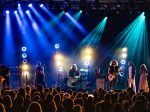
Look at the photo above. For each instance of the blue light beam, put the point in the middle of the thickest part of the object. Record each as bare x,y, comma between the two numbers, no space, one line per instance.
9,56
78,25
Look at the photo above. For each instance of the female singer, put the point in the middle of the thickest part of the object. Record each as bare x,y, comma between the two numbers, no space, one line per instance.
113,71
143,83
131,78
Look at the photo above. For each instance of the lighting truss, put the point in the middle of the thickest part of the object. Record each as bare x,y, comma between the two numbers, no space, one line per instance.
91,4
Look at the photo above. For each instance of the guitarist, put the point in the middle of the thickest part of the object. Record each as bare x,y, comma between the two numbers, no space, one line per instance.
39,74
113,71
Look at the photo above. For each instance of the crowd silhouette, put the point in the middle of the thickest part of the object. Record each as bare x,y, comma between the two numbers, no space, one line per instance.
50,99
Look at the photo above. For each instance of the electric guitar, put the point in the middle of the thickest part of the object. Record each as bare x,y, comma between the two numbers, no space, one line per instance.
112,76
1,79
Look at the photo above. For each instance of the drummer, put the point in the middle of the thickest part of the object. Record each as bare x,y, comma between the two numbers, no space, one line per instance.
73,72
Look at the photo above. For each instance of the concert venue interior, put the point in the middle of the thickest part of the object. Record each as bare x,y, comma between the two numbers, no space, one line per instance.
48,28
89,49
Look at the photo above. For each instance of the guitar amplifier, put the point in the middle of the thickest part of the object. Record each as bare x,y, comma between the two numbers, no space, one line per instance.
100,83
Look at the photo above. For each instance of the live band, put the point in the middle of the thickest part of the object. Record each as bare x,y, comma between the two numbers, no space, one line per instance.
73,79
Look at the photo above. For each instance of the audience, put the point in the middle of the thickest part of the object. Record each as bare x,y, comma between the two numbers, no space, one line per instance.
34,107
2,108
55,100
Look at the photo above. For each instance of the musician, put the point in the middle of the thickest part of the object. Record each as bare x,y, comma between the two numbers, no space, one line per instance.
39,74
74,71
143,82
113,71
97,75
131,77
74,77
4,72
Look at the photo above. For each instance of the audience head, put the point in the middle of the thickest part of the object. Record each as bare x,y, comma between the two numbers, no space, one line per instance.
39,88
118,108
7,102
22,92
68,104
2,108
77,108
49,98
34,107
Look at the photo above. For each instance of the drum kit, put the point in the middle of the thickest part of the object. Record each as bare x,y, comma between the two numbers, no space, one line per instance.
73,82
76,80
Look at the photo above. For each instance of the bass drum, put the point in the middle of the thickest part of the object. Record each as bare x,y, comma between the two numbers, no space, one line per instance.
72,82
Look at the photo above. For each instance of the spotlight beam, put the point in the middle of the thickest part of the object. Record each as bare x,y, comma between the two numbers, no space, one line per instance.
94,37
26,32
49,30
61,25
78,25
9,55
135,37
42,41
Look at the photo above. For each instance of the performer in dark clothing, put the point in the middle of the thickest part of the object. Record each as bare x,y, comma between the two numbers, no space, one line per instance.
113,71
39,74
4,72
73,78
74,71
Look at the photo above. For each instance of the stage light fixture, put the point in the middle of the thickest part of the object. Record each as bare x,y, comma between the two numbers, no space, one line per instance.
15,12
88,57
124,55
105,5
117,12
88,50
80,11
121,74
57,46
27,12
143,14
58,63
87,63
7,11
66,7
23,49
118,6
18,4
25,67
24,55
24,61
30,5
58,56
123,62
41,5
124,49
